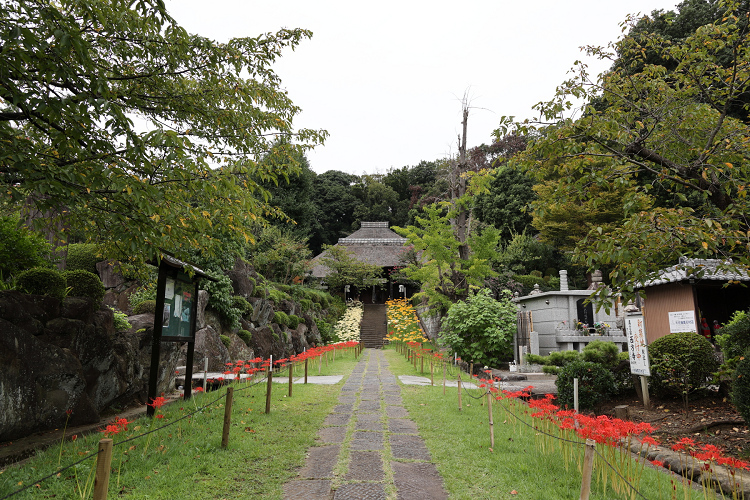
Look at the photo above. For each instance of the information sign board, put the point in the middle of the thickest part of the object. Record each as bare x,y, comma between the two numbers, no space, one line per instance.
637,348
682,321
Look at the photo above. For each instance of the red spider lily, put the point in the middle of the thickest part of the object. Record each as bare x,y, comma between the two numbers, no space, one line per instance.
650,441
157,402
199,389
734,463
159,416
115,427
657,463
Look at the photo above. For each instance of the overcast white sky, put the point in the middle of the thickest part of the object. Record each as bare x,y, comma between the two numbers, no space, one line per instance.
386,78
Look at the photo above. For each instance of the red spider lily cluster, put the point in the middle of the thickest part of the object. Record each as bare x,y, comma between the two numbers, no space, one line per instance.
115,427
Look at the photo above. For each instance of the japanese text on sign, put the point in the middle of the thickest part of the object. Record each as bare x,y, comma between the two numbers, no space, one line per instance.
637,348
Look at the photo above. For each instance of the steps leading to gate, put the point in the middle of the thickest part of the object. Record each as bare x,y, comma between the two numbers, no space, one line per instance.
373,327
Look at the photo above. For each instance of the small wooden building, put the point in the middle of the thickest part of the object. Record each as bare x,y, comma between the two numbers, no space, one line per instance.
683,294
373,243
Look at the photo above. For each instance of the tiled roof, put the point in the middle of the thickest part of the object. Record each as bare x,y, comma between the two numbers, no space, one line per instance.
697,269
373,243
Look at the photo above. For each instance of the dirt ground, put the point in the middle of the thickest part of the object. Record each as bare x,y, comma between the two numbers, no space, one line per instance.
709,419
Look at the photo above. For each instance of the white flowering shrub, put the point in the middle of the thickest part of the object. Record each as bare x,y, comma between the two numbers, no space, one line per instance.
347,328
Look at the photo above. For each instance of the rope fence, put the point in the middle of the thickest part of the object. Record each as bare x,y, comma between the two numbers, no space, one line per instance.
106,445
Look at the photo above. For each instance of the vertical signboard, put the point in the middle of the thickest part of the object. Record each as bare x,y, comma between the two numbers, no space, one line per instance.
177,313
637,348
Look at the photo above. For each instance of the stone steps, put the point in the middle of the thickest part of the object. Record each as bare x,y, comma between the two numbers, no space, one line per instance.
373,327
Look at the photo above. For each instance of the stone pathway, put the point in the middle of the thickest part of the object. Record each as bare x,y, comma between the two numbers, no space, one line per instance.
368,447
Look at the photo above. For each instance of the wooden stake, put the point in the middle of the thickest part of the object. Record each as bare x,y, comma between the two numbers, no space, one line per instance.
268,390
291,374
575,394
621,412
228,417
492,424
306,359
459,390
644,389
320,365
588,467
432,374
444,369
103,463
421,363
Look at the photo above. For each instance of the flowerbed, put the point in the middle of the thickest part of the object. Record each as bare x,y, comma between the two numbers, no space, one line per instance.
348,327
403,323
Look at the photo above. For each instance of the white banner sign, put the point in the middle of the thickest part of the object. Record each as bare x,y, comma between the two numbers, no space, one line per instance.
637,348
682,321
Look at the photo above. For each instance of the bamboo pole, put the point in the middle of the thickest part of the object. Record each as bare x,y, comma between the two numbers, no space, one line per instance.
228,417
103,463
444,369
459,390
268,389
492,424
588,467
432,374
291,374
306,360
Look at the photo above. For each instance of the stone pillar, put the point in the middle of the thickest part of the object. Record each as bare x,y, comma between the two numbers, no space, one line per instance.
563,280
534,343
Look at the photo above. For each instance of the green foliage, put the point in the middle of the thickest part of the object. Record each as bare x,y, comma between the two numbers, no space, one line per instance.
734,337
526,254
602,352
681,363
42,281
555,358
146,291
528,281
245,336
121,320
85,284
741,388
74,75
242,305
306,304
536,359
145,307
82,256
480,329
220,299
278,296
327,333
281,318
294,321
551,369
279,255
225,340
345,269
595,384
507,203
20,248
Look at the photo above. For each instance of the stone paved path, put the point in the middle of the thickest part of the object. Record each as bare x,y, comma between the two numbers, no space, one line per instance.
368,448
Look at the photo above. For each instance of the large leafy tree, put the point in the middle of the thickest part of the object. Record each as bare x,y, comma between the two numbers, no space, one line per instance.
335,204
347,270
670,126
139,133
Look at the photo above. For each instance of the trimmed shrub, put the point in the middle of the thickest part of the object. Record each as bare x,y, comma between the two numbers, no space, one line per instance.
225,340
741,388
241,304
277,296
327,334
121,320
550,370
562,358
306,304
595,384
734,337
294,321
145,307
281,318
245,336
681,363
21,248
42,281
85,284
82,256
602,352
145,292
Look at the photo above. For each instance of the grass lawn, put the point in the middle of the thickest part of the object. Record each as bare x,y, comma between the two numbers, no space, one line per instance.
516,468
185,460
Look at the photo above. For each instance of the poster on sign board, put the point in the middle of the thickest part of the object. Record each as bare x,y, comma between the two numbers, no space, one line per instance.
682,321
637,348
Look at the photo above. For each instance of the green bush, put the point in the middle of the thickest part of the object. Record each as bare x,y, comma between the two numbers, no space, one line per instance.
280,318
146,291
536,359
21,248
327,333
595,384
42,281
741,388
527,282
85,284
294,321
681,363
306,304
245,336
562,358
277,296
121,320
225,340
242,305
145,307
734,337
220,300
551,370
602,352
82,256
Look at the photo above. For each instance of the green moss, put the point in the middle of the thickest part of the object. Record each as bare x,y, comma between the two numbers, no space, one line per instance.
241,304
245,336
226,340
281,318
294,321
145,307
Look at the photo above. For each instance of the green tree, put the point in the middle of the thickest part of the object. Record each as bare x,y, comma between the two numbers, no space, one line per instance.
20,248
142,134
379,202
279,255
481,329
347,270
506,205
673,126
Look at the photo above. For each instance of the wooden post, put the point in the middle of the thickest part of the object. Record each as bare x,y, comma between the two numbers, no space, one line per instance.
421,363
444,369
227,417
492,424
291,374
459,390
432,374
268,390
205,374
575,395
306,360
320,365
103,463
621,412
644,389
588,467
471,370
